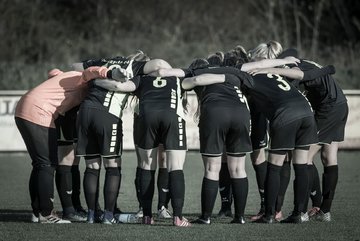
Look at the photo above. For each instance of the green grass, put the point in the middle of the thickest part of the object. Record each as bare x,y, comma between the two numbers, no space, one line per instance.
15,209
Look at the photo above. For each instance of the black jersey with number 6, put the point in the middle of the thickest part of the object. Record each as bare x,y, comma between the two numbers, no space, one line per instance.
161,114
158,94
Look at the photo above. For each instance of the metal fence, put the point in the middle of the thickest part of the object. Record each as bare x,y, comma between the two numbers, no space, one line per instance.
11,139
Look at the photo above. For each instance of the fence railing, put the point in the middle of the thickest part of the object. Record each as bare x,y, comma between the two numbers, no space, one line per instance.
11,139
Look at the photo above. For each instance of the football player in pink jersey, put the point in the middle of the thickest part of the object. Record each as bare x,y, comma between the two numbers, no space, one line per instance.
35,117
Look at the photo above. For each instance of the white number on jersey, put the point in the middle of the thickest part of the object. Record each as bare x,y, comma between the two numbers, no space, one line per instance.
159,82
283,84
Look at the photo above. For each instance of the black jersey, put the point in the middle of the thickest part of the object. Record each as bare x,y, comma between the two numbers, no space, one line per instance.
159,94
103,99
224,117
228,93
131,67
323,92
104,61
113,102
279,100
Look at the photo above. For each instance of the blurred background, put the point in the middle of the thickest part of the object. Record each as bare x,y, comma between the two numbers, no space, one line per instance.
42,34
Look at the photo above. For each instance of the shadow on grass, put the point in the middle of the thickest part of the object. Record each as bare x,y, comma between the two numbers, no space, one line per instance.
9,215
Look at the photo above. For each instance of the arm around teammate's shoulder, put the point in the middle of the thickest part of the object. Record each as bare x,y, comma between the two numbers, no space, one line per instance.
112,85
268,63
94,72
293,73
201,80
166,72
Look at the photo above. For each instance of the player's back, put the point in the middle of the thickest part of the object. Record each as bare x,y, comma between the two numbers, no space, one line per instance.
322,92
159,93
277,98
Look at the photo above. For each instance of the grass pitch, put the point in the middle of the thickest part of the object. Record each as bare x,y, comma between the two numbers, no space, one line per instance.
15,210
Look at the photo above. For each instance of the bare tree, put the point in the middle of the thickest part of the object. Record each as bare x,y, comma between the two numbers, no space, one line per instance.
318,11
296,14
342,13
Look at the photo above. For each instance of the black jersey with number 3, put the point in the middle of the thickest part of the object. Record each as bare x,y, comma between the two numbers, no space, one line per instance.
279,100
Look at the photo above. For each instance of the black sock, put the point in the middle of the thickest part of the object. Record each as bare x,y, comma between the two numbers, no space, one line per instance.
241,188
137,185
225,187
301,185
63,180
330,178
177,191
208,196
315,194
285,175
46,189
117,195
34,192
91,177
308,193
76,186
147,182
272,186
97,203
163,188
260,171
111,187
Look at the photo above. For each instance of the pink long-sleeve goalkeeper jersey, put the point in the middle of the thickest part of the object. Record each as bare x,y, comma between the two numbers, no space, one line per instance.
43,104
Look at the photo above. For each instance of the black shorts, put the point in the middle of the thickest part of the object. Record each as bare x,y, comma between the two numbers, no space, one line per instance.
40,141
99,133
259,133
299,133
164,127
331,124
66,127
229,126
